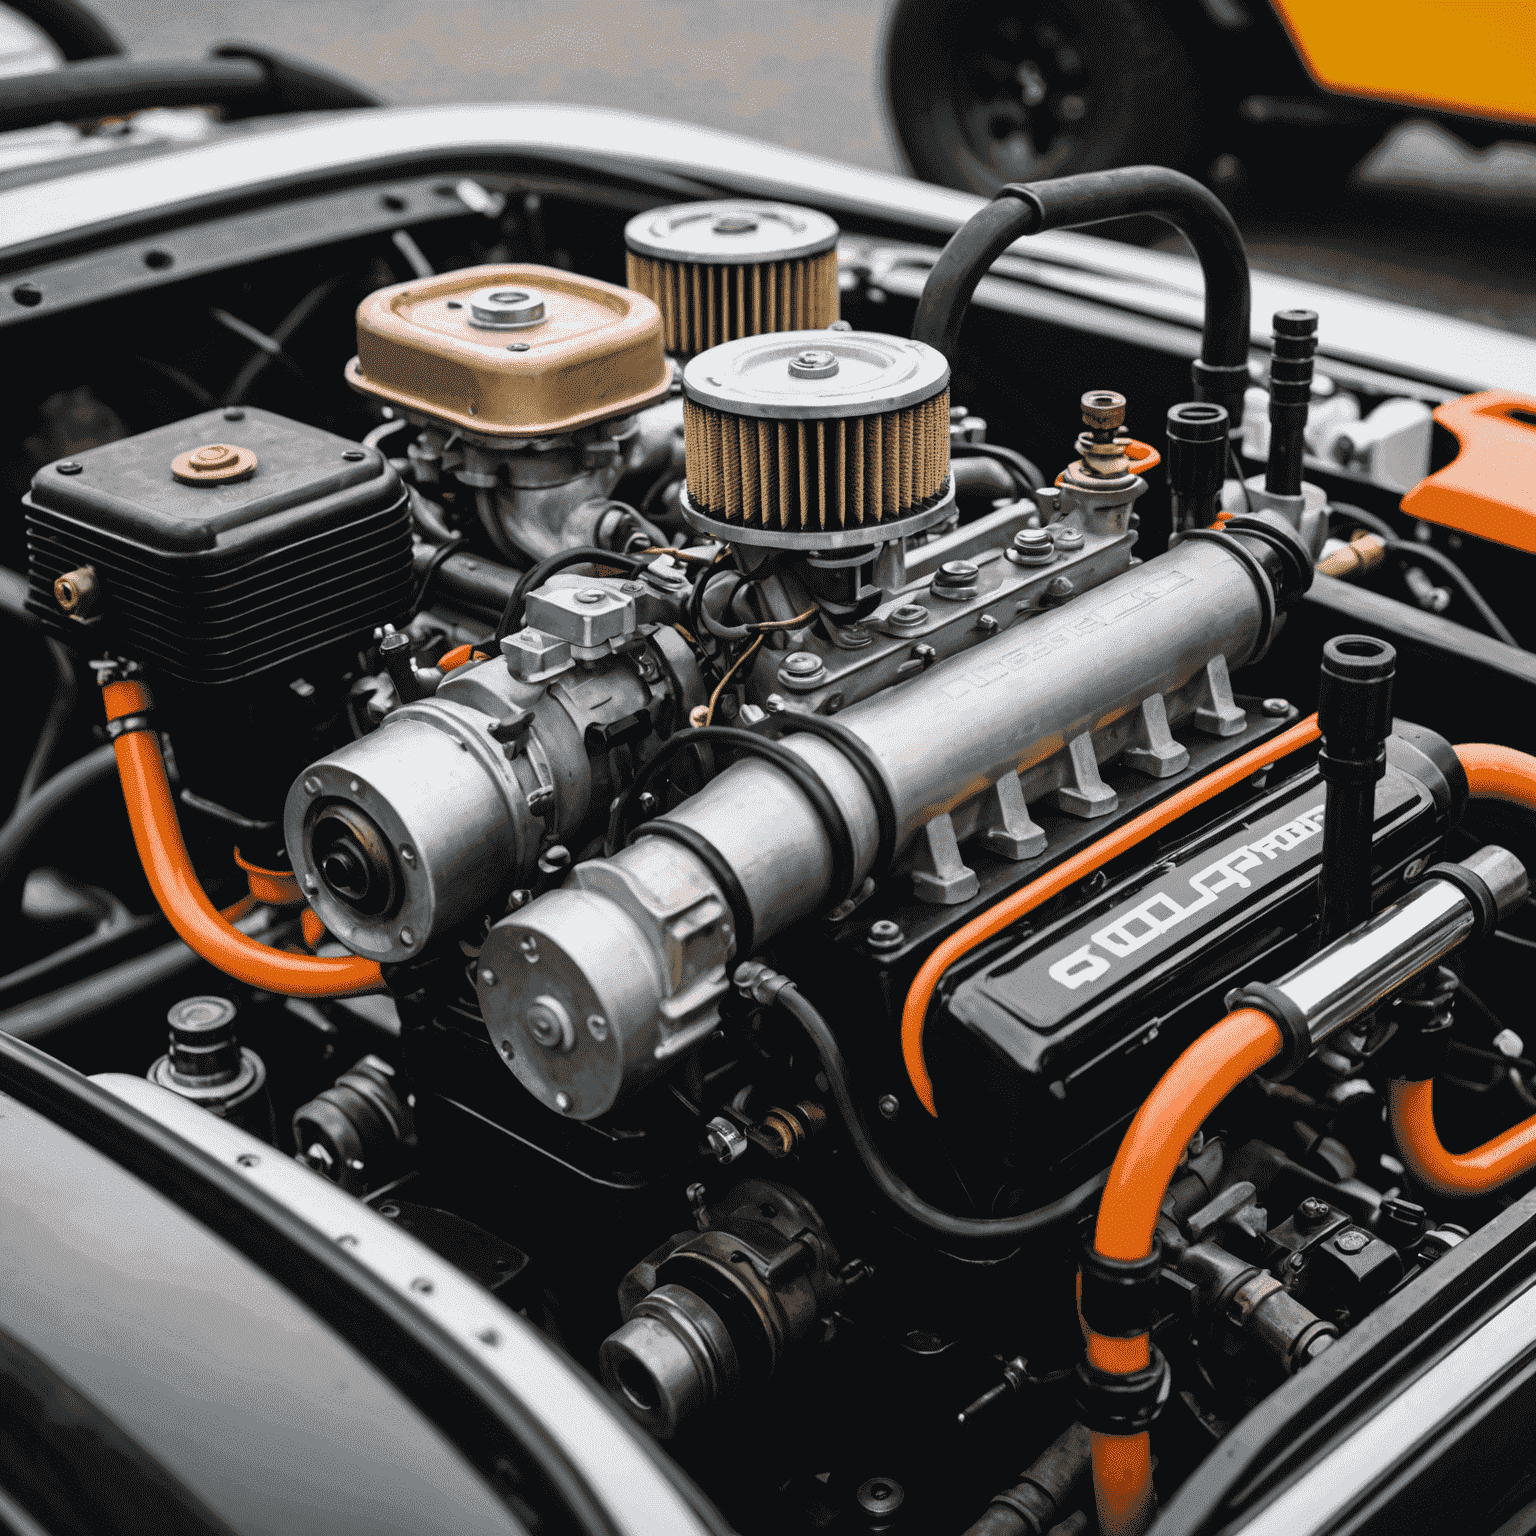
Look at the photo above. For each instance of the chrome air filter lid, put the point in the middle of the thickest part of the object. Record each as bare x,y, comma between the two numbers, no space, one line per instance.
730,231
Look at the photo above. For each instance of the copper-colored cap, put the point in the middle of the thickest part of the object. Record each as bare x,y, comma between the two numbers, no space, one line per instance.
591,350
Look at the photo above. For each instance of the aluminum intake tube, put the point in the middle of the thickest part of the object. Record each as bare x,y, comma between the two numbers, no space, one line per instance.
593,989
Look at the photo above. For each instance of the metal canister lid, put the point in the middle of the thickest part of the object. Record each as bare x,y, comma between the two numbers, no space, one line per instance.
806,375
730,231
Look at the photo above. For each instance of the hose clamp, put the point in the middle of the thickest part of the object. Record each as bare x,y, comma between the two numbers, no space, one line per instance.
1289,1018
1111,1404
1474,888
1119,1295
125,724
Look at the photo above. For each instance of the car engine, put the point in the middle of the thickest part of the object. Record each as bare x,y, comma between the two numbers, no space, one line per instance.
921,972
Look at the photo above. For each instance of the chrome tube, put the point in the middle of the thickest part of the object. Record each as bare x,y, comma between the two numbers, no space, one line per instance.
1348,979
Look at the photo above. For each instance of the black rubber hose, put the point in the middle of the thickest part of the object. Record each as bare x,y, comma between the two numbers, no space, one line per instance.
91,996
1025,473
964,1230
1407,552
72,28
1019,209
530,580
60,708
31,818
800,773
112,87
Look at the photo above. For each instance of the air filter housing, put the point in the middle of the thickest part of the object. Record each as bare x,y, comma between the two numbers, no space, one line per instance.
284,540
728,269
817,439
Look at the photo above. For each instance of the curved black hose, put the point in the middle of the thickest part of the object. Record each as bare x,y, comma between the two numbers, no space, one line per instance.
60,708
31,818
585,554
74,29
1025,473
964,1230
431,568
1221,372
1407,552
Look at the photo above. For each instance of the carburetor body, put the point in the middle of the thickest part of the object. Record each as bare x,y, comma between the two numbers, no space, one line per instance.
536,389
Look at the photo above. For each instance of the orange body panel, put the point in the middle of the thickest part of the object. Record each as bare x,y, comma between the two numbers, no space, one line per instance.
1472,57
1489,488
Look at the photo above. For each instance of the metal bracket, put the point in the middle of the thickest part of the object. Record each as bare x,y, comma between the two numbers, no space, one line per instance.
939,874
1218,715
1088,795
1155,753
1009,829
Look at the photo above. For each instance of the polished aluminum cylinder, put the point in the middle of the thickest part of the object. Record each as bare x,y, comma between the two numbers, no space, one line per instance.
945,736
1348,979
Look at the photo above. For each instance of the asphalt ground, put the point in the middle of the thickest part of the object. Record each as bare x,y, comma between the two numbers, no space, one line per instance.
1425,220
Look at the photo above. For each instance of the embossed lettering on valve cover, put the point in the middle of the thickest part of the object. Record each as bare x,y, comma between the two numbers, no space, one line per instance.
1039,643
1161,912
1117,942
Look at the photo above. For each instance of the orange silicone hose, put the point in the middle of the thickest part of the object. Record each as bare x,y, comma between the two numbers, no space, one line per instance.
1484,1168
1493,773
1144,1166
1066,874
157,835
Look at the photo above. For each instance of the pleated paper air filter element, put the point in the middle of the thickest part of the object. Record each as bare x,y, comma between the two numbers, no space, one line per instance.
722,270
817,438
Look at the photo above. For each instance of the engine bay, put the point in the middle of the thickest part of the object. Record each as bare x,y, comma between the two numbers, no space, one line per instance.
822,856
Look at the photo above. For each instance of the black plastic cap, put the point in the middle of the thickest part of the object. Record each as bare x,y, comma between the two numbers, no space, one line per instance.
1295,322
1354,704
1198,421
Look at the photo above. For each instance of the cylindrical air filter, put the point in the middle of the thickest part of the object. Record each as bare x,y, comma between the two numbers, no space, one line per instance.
727,269
817,439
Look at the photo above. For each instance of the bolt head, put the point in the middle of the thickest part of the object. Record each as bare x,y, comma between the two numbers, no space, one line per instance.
909,613
528,946
1507,1043
487,977
407,937
1068,538
354,455
890,1106
885,935
597,1026
957,572
312,785
1352,1241
563,1103
1103,409
1312,1212
802,664
1278,708
69,467
1061,586
248,1160
589,595
813,363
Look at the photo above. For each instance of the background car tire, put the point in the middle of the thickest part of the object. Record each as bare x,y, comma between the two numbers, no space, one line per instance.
981,93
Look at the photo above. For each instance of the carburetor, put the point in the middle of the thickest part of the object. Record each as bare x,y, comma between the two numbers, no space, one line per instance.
534,388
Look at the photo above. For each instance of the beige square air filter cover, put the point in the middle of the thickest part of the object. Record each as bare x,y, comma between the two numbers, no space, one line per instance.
510,351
